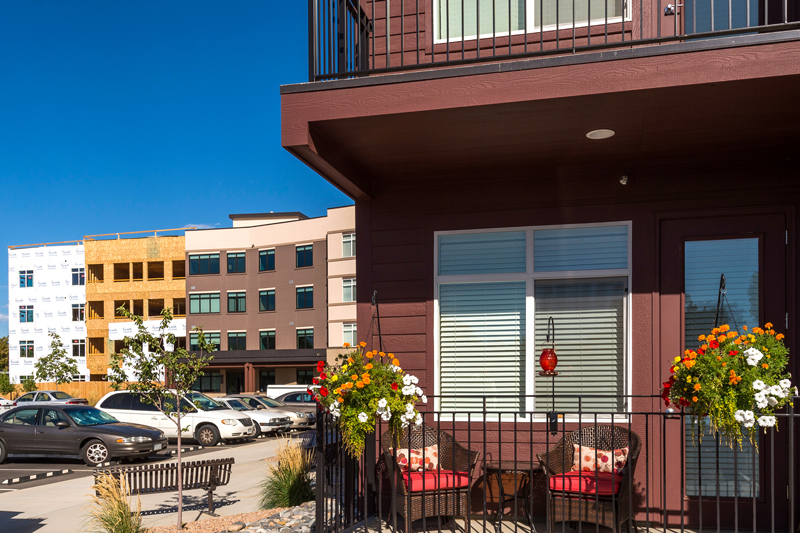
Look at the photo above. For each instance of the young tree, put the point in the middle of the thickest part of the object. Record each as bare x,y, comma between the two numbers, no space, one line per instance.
58,366
29,384
4,353
150,366
6,387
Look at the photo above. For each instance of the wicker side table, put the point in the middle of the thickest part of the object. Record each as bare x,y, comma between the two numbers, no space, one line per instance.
524,471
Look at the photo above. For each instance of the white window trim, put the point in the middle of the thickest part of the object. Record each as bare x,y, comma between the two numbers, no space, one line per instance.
204,292
266,330
235,252
194,254
531,357
530,23
266,249
302,327
236,331
267,289
303,286
352,285
239,290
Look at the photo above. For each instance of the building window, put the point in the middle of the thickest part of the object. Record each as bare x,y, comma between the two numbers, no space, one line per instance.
266,260
121,303
138,271
305,339
96,310
349,290
78,276
78,312
25,313
26,348
155,270
122,272
203,264
266,378
179,269
237,340
349,334
236,263
305,297
95,273
154,308
304,376
236,302
349,245
97,345
25,278
204,303
138,307
208,382
179,307
305,256
488,292
212,337
266,300
78,348
267,340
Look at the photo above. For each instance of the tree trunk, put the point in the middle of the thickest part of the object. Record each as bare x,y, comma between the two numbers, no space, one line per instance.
180,465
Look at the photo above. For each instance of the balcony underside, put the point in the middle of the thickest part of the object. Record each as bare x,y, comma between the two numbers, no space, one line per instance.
695,108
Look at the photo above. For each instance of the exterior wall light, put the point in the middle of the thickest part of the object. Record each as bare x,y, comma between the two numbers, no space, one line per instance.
597,135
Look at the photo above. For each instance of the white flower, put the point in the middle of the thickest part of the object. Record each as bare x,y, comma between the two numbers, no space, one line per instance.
772,401
410,408
407,379
408,390
766,421
753,356
419,391
394,368
418,420
761,400
362,417
785,383
776,390
759,385
749,415
424,399
749,423
414,380
387,415
739,416
382,403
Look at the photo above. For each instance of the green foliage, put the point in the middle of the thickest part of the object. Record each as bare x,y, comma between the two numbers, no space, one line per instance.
6,387
287,483
4,353
58,366
111,511
737,380
29,384
362,386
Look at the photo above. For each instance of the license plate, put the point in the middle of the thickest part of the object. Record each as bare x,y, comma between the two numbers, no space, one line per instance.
157,446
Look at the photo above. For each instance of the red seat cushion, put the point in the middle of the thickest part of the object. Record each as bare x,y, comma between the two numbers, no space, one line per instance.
435,480
587,483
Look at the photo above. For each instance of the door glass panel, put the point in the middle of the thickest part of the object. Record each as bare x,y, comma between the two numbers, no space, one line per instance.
704,263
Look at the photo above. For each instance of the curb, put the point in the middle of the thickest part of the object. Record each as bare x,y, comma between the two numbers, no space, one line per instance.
191,449
24,479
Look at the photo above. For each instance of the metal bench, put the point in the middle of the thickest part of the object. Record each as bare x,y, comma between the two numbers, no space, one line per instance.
158,478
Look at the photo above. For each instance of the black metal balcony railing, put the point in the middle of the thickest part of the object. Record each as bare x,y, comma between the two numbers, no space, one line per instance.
350,38
672,478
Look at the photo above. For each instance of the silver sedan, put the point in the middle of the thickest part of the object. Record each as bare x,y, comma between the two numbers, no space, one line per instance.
300,420
49,397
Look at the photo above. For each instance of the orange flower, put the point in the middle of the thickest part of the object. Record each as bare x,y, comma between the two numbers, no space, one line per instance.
367,381
340,399
768,325
722,337
369,355
738,341
346,345
337,391
733,334
719,358
765,365
701,338
725,327
351,360
391,356
368,366
723,364
704,347
771,332
744,328
354,377
364,376
694,398
715,331
381,354
779,336
362,344
697,386
360,385
395,362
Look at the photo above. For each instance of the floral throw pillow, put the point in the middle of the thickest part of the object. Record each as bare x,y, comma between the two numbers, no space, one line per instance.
414,459
587,459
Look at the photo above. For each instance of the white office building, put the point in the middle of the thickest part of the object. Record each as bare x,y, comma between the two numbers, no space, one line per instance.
47,293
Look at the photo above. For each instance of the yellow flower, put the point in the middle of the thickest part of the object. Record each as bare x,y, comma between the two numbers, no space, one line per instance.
697,386
677,359
688,379
368,366
395,362
344,367
335,378
346,345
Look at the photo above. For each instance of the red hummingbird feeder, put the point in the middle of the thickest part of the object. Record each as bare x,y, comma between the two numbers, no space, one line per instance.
548,360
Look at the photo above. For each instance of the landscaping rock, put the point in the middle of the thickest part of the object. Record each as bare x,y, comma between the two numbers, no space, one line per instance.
236,526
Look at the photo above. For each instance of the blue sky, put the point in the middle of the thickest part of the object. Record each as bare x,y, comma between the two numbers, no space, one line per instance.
128,116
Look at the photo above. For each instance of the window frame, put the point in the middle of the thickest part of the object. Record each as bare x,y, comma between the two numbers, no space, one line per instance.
193,336
199,295
297,337
27,312
239,336
304,248
305,290
353,286
530,24
349,238
530,277
238,298
269,254
26,276
239,260
354,332
199,257
267,333
81,309
81,274
266,293
29,347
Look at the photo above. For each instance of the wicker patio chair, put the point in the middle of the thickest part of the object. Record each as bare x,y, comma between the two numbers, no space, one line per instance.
413,499
574,506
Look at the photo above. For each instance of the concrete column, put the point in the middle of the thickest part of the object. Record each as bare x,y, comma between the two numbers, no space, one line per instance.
249,378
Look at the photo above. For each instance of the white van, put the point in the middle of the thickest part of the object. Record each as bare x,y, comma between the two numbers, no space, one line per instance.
202,418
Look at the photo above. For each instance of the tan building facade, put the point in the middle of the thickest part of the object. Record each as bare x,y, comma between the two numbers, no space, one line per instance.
143,273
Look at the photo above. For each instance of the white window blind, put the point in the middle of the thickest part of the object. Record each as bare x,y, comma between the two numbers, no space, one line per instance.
482,253
589,320
561,10
704,263
482,346
566,249
461,17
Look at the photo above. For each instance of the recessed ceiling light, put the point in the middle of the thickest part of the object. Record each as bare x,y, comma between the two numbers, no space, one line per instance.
600,134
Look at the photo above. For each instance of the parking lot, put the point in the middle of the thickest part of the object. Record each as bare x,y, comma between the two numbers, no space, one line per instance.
23,467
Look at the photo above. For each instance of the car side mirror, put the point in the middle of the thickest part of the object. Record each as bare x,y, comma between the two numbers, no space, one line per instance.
62,424
262,408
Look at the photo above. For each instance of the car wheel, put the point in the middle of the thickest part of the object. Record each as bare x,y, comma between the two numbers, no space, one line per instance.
207,435
95,452
3,452
258,431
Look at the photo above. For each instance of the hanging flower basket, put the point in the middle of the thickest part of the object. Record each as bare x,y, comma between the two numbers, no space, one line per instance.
362,386
737,380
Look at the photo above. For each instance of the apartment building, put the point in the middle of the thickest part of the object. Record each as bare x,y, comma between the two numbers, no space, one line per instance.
276,293
144,274
47,294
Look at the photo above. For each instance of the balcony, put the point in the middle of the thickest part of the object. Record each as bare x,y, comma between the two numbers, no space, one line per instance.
356,38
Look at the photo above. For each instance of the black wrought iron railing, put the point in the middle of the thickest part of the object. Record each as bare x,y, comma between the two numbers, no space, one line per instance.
351,38
516,468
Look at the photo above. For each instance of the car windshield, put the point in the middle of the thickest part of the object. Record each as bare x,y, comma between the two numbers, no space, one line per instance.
239,406
89,416
270,402
203,402
58,395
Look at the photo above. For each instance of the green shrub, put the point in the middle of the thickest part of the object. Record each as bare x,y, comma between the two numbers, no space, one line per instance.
111,511
288,483
29,385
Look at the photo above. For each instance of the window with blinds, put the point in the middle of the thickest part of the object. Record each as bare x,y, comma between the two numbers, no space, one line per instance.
457,18
571,249
482,253
590,321
482,346
704,263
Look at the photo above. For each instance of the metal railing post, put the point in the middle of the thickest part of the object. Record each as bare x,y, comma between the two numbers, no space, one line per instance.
312,40
320,471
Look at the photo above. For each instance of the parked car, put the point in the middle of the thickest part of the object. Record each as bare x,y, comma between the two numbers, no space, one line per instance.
74,430
6,404
300,419
49,397
298,400
202,418
266,421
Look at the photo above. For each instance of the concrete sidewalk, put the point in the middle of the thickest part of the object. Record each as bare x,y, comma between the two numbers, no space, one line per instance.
62,507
